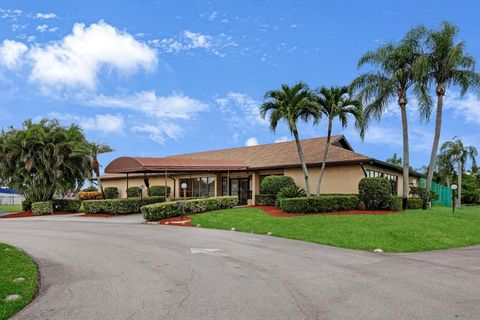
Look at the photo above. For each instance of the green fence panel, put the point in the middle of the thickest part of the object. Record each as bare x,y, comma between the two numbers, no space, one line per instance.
444,193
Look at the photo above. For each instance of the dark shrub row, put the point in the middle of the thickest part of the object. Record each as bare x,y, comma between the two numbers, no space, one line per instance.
319,204
111,192
119,206
159,211
265,199
134,192
67,205
157,191
415,203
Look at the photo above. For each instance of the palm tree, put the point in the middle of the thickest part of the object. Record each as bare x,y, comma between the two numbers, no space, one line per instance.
395,160
291,104
336,102
449,65
444,169
455,151
401,69
97,149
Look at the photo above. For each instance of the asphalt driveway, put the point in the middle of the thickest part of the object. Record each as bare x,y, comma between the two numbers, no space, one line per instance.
128,270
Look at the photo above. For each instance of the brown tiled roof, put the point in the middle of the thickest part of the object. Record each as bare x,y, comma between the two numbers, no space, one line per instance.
283,154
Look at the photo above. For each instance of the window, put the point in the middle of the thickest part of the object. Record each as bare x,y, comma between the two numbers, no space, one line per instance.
199,187
393,178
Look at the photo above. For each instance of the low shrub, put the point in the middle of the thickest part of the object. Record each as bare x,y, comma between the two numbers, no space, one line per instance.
375,193
42,207
420,192
159,211
111,192
395,203
319,204
26,205
415,203
119,206
67,205
90,195
156,191
291,192
265,199
273,184
134,192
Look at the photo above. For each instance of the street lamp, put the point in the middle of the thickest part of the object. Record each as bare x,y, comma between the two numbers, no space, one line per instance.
181,204
453,187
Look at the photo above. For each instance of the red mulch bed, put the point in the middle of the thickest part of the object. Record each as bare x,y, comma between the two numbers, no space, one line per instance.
171,222
277,212
27,214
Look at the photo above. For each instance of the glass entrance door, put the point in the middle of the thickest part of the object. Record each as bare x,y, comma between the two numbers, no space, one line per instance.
240,188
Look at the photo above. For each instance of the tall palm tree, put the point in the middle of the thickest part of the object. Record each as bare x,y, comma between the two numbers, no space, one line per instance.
97,149
401,68
457,152
449,65
291,104
336,102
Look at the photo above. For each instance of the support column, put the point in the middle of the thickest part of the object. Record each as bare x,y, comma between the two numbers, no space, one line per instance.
255,187
218,184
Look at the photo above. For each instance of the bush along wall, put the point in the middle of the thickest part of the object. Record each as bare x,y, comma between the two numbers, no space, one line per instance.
134,192
119,206
415,203
160,211
67,205
319,204
273,184
43,207
158,191
111,192
375,193
265,199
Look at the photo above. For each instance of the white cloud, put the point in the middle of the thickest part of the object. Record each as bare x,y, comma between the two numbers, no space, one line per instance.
174,106
11,53
198,40
10,14
42,27
213,15
77,59
241,106
45,16
160,131
467,107
282,139
293,26
186,41
107,123
251,142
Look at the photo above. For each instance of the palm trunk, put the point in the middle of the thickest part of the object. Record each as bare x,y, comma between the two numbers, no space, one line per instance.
406,168
325,155
433,156
100,187
302,161
459,193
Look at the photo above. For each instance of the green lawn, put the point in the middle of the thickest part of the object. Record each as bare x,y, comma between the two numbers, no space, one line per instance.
409,231
15,264
10,208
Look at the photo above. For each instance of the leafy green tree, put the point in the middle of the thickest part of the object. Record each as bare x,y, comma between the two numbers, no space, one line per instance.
449,65
457,152
395,160
43,159
95,150
400,69
291,104
336,102
444,170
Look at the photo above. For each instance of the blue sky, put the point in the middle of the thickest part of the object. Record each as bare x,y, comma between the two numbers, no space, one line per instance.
154,78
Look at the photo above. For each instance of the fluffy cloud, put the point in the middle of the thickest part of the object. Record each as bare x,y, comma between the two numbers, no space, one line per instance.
174,106
42,27
45,16
107,123
77,59
160,131
467,107
241,106
186,41
251,142
11,53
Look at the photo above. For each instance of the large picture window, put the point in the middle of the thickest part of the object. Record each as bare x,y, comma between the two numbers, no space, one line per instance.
199,187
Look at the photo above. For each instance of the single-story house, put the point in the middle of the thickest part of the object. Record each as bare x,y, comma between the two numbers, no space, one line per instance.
239,171
10,196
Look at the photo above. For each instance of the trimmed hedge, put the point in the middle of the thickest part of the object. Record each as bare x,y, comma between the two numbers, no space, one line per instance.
119,206
273,184
134,192
90,195
415,203
67,205
375,193
111,192
265,199
157,191
39,208
395,203
159,211
319,204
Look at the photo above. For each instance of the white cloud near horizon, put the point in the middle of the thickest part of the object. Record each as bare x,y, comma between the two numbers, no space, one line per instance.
282,139
11,53
107,123
45,16
251,142
160,131
77,59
